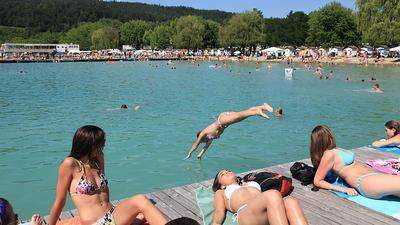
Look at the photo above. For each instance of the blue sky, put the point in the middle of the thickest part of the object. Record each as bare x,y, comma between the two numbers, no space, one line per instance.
270,8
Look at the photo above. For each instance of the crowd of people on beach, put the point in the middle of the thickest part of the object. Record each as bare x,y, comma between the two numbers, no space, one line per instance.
81,175
304,55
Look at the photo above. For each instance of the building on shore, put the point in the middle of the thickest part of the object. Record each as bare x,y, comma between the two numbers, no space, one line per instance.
38,48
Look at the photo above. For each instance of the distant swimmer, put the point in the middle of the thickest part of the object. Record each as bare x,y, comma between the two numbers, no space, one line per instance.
23,72
269,66
125,107
376,88
373,79
279,113
225,119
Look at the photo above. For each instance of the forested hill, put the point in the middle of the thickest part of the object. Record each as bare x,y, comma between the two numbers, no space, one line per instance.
61,15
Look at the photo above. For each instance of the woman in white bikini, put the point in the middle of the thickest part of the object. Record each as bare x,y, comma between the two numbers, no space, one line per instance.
250,205
225,119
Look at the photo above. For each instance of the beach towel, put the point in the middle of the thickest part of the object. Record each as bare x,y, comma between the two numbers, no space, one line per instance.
205,201
389,166
389,205
390,148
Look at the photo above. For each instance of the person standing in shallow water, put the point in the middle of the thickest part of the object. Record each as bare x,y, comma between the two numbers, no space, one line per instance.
215,130
82,175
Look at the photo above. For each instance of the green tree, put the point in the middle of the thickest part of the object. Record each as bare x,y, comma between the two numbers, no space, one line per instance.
105,38
211,35
132,32
379,21
291,30
332,25
82,34
189,32
160,37
242,30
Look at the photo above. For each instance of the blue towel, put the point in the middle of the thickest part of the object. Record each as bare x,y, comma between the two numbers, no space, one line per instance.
390,148
389,205
205,201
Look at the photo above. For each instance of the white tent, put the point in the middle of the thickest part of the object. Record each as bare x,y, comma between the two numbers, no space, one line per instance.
274,51
237,53
396,49
114,51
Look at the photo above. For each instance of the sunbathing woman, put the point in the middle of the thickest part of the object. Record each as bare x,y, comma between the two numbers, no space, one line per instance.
8,216
225,119
392,129
252,207
363,180
81,174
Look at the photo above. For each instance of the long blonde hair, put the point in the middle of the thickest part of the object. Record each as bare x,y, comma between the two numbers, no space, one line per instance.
322,139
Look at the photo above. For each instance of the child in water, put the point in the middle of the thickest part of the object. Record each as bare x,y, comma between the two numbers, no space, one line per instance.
376,88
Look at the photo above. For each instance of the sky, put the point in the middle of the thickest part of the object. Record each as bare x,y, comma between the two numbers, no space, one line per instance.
270,8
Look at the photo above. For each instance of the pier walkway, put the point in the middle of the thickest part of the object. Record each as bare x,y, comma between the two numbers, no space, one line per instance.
320,208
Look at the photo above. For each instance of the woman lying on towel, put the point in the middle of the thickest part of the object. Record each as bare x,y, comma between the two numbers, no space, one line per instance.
363,180
250,205
82,175
392,129
214,131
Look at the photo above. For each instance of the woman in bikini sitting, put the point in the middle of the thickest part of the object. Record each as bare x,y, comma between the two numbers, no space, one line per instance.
363,180
250,205
225,119
81,174
392,130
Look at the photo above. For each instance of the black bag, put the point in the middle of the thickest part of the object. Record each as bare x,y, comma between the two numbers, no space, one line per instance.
268,180
303,172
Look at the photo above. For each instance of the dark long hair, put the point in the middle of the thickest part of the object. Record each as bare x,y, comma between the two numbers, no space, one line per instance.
322,139
87,139
216,184
393,124
7,216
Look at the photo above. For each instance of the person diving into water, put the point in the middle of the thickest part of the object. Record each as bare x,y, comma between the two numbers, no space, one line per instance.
214,131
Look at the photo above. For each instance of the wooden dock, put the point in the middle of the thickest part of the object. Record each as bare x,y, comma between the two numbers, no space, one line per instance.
321,208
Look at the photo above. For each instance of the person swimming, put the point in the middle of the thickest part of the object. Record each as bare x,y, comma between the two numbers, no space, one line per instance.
279,112
376,88
124,106
225,119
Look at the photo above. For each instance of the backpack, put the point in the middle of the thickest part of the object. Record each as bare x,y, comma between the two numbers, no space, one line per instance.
303,172
268,180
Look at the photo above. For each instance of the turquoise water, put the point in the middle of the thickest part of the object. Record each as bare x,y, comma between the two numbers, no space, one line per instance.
40,111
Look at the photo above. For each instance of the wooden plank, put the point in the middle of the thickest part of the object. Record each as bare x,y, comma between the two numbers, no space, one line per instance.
189,205
170,202
168,212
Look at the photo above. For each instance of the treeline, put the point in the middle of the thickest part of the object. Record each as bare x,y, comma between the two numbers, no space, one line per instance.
376,22
62,15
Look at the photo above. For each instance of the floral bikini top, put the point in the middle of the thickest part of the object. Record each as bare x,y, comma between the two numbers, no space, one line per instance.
87,187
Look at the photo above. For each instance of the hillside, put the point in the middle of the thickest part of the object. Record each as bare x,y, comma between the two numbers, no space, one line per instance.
61,15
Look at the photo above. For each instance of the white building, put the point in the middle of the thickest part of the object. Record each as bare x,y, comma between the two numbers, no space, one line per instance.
38,48
65,48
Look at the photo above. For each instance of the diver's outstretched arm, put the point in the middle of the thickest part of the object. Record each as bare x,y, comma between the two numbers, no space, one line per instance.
195,145
203,151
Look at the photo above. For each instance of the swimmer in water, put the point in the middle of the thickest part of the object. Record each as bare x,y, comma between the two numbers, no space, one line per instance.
124,107
225,119
269,66
376,88
279,113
